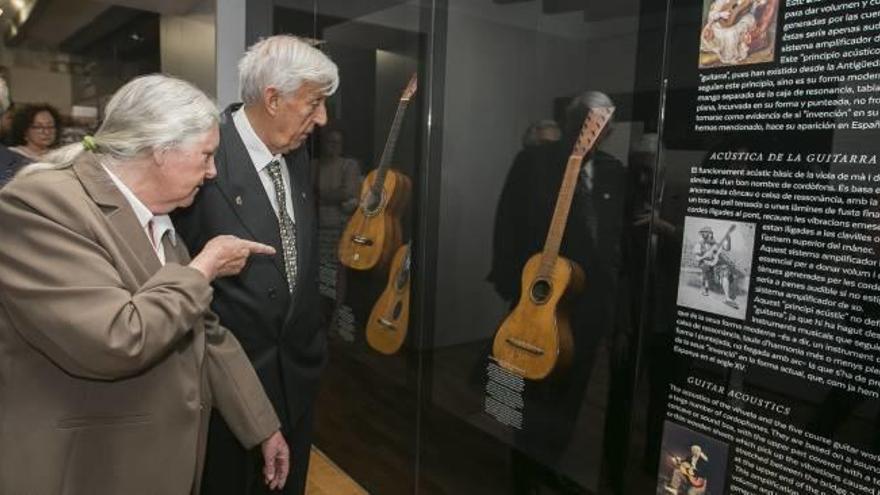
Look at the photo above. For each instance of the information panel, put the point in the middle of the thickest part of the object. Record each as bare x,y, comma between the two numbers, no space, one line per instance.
771,170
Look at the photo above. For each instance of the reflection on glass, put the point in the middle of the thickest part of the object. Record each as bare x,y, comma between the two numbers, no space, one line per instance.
338,180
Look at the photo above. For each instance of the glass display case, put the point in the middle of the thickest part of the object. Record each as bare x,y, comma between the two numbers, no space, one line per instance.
599,247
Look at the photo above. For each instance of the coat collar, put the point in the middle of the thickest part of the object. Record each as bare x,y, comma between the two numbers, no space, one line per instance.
98,183
100,187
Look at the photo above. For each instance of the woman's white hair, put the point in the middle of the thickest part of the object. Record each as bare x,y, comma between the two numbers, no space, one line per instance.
148,113
284,62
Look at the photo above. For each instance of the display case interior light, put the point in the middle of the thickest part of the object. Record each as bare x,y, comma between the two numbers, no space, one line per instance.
17,13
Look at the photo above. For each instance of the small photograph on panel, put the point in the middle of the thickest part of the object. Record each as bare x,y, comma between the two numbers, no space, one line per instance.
738,32
691,463
716,263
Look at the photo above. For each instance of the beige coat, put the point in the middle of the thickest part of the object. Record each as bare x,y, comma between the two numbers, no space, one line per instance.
109,362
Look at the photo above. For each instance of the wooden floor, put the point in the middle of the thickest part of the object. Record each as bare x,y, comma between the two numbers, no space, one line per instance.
326,478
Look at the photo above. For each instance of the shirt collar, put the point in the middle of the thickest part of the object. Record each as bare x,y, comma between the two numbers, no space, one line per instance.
260,155
161,223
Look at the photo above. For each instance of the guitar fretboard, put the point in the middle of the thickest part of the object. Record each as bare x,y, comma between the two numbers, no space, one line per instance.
592,129
388,150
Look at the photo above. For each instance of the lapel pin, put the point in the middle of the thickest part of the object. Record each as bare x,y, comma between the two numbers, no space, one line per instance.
238,200
303,195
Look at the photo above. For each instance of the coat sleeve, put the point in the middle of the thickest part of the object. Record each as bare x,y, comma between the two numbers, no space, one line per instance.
235,389
62,294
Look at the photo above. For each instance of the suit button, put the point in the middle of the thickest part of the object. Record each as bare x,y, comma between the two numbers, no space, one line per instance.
273,293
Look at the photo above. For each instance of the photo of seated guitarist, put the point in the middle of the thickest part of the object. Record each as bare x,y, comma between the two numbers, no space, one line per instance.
687,475
717,267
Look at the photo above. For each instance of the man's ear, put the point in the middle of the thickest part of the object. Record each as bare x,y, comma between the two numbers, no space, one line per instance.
160,156
271,100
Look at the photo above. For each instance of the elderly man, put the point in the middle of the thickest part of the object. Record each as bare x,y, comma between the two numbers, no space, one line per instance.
110,359
9,162
263,192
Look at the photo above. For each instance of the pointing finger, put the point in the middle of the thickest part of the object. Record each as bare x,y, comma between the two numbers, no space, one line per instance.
258,248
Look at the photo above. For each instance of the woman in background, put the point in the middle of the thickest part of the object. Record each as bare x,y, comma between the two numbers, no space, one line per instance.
35,130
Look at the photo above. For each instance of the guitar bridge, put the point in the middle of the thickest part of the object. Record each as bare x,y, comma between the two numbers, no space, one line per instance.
363,241
387,324
525,346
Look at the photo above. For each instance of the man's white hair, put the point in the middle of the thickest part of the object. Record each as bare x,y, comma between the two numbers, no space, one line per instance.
284,62
148,113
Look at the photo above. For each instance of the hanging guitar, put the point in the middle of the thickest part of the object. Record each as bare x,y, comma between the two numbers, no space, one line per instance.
373,232
387,326
536,339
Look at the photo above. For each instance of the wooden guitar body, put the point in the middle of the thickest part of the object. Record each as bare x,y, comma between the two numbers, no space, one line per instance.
389,320
373,232
372,235
536,339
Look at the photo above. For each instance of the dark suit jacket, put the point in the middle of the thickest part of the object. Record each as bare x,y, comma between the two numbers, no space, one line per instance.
10,162
280,332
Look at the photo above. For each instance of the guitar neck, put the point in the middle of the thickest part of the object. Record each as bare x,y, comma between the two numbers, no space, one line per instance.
560,215
390,144
591,131
403,272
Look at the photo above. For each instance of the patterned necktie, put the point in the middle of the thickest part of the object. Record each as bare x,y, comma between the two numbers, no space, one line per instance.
286,227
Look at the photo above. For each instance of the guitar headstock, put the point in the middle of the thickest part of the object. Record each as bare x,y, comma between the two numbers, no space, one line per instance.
410,89
595,122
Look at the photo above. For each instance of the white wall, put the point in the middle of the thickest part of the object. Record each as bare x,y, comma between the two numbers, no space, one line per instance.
37,77
230,39
187,45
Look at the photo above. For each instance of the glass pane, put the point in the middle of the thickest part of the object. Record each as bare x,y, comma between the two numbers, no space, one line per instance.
525,393
366,163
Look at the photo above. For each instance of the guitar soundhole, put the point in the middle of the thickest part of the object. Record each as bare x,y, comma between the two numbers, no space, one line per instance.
541,291
371,203
397,309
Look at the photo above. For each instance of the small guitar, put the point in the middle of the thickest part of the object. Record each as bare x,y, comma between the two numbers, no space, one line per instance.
373,232
387,326
536,337
713,255
690,474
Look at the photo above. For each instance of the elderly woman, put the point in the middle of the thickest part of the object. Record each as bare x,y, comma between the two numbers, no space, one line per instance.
110,359
36,129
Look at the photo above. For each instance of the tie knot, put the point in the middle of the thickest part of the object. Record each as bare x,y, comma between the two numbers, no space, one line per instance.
274,167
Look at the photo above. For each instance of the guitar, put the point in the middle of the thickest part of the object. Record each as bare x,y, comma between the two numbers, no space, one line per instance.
734,12
535,339
689,473
713,255
373,232
387,326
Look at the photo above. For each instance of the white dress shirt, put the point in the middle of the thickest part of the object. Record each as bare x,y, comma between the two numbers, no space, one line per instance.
261,157
155,226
